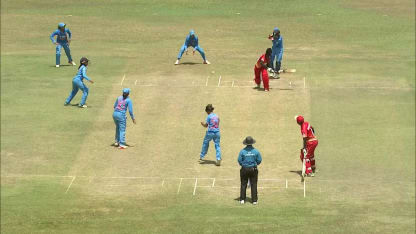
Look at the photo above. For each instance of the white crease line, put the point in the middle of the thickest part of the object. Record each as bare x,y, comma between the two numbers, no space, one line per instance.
122,80
232,85
196,182
304,188
206,83
163,182
213,183
179,187
304,82
219,81
286,183
72,181
135,83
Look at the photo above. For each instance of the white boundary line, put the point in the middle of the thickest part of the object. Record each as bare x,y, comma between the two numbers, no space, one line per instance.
196,182
219,81
122,80
72,181
179,187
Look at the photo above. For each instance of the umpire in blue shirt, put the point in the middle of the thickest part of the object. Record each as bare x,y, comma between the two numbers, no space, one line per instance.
248,159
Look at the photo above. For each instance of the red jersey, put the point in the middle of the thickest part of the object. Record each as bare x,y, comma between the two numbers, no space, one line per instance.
307,131
262,58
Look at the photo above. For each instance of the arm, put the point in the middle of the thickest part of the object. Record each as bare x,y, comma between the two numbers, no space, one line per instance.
264,65
52,37
130,106
69,35
84,74
115,103
204,124
258,158
240,159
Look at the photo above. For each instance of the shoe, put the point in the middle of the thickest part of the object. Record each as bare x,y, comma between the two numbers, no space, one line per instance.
311,175
201,159
258,86
82,106
218,162
276,76
116,144
242,202
66,104
57,65
123,147
255,203
206,62
72,63
177,62
266,90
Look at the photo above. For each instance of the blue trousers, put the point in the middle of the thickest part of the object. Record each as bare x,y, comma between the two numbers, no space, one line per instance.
120,121
197,48
215,136
77,84
58,52
277,54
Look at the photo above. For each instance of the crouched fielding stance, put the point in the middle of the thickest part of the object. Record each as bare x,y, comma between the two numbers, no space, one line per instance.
307,154
213,133
77,83
121,105
277,51
191,40
261,69
63,39
248,159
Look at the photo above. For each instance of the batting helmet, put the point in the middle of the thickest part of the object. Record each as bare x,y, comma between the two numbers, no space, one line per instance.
299,119
276,30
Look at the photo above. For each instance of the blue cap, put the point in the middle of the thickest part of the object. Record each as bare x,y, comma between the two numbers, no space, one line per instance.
61,25
192,32
276,29
126,90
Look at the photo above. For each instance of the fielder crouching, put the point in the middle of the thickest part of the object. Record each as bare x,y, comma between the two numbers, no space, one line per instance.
248,159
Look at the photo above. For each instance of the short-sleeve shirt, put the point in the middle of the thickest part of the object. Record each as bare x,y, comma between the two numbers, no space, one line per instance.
264,59
307,131
213,123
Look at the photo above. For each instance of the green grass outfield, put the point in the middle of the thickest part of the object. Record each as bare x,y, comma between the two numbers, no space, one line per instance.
355,82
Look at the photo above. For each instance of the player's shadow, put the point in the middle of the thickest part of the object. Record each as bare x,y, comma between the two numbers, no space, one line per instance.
297,172
207,162
188,63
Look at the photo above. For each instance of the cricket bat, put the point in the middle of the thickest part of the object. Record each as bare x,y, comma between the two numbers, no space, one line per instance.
287,70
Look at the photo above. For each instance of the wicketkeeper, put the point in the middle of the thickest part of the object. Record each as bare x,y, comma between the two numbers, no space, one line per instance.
307,154
191,41
277,51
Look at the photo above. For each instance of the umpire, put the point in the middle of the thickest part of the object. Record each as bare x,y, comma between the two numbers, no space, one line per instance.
248,159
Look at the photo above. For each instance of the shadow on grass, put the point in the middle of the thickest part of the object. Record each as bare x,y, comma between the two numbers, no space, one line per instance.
207,162
248,199
297,172
188,63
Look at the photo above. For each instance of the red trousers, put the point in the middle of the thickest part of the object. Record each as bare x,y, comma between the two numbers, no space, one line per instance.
264,76
310,156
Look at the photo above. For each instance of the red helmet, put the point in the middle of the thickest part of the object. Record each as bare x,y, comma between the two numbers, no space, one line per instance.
299,119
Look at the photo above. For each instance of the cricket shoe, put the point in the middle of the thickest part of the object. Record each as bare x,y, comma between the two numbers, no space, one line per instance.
242,202
82,106
57,65
115,144
276,76
255,203
311,175
206,62
66,104
72,63
177,62
218,162
123,147
258,86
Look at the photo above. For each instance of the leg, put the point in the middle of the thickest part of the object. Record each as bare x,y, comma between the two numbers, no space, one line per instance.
253,180
273,58
58,54
85,91
122,130
72,93
244,181
217,138
181,51
279,60
310,147
201,51
257,76
205,144
67,52
265,77
117,123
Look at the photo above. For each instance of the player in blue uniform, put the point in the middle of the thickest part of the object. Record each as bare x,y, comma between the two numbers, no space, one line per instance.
78,84
191,40
213,133
63,39
119,115
277,51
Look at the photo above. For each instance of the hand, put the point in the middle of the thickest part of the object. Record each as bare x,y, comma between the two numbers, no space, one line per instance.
269,69
56,43
304,152
134,121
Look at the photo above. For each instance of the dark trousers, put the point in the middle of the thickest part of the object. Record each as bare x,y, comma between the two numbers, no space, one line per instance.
249,173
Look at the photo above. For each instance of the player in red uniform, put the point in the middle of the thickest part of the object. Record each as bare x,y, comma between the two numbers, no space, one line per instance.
261,69
309,144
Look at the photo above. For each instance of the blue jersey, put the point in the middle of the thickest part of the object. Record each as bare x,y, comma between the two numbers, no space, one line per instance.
191,40
249,157
62,37
82,73
277,43
121,105
213,123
